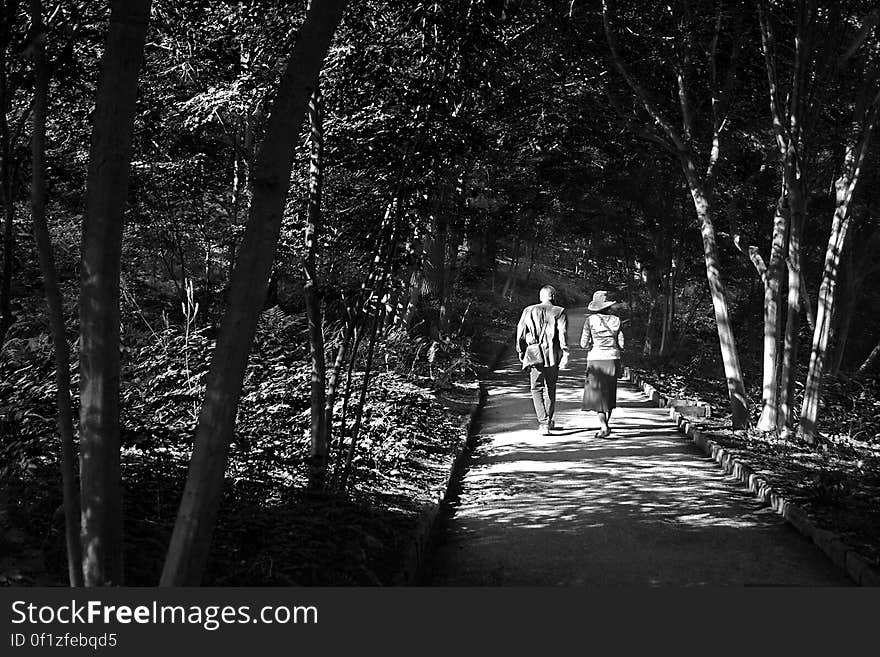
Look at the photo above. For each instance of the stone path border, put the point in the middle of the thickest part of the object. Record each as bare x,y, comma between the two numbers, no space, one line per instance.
844,556
420,541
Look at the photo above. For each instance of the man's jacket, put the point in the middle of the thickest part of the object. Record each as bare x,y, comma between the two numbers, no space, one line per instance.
547,325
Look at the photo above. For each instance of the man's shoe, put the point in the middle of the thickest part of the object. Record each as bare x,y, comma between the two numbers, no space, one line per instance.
544,430
551,424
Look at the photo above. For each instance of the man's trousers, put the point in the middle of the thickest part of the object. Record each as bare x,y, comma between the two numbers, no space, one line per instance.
543,380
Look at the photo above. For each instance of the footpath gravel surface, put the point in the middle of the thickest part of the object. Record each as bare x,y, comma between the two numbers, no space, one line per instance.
643,507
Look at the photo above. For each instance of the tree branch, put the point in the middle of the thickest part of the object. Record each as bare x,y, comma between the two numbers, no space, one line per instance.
640,92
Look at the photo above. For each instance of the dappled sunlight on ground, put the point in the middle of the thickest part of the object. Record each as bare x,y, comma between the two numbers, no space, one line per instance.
641,507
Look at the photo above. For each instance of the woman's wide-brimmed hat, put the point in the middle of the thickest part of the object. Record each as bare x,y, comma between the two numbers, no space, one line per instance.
600,301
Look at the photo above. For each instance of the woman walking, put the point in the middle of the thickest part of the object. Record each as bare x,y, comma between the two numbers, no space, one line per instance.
603,340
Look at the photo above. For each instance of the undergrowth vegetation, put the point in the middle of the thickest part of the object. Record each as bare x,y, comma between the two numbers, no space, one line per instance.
269,532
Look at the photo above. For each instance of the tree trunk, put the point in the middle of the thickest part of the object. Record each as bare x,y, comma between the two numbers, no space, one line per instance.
107,190
857,146
346,397
790,346
333,381
191,538
668,313
418,249
533,250
807,303
827,301
869,361
416,285
6,317
664,324
648,346
772,298
507,290
6,194
729,355
365,384
318,454
436,274
450,274
843,317
475,245
70,494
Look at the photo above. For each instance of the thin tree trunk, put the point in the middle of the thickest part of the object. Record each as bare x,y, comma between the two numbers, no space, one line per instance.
70,492
807,304
869,361
367,291
827,301
242,153
686,323
6,194
416,285
6,317
511,272
365,384
845,185
791,340
648,346
450,274
669,313
318,455
436,272
532,253
436,278
843,317
346,397
410,293
333,381
664,325
191,538
107,190
772,298
384,258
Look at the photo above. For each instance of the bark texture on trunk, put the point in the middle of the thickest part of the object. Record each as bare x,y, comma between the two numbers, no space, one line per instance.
318,453
729,354
772,315
69,490
6,190
106,194
790,345
857,145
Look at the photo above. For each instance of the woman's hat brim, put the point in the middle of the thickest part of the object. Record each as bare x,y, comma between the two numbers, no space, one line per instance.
601,306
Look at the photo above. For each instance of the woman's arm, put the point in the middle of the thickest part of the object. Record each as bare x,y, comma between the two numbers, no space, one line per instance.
586,335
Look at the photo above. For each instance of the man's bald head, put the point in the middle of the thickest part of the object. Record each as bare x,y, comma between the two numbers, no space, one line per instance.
548,294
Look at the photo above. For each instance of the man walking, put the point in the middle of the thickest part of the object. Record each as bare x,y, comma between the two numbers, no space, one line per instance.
545,325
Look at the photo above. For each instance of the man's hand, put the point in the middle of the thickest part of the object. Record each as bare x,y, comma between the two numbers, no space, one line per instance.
563,364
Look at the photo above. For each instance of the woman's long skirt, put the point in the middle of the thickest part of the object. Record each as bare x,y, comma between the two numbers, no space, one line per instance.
600,386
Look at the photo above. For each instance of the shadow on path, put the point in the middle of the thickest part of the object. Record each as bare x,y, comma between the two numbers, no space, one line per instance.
643,507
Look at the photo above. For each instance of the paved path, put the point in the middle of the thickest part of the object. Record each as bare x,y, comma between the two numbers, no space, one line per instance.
643,508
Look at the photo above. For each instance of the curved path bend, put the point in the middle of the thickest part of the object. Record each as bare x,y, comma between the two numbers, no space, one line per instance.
644,507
